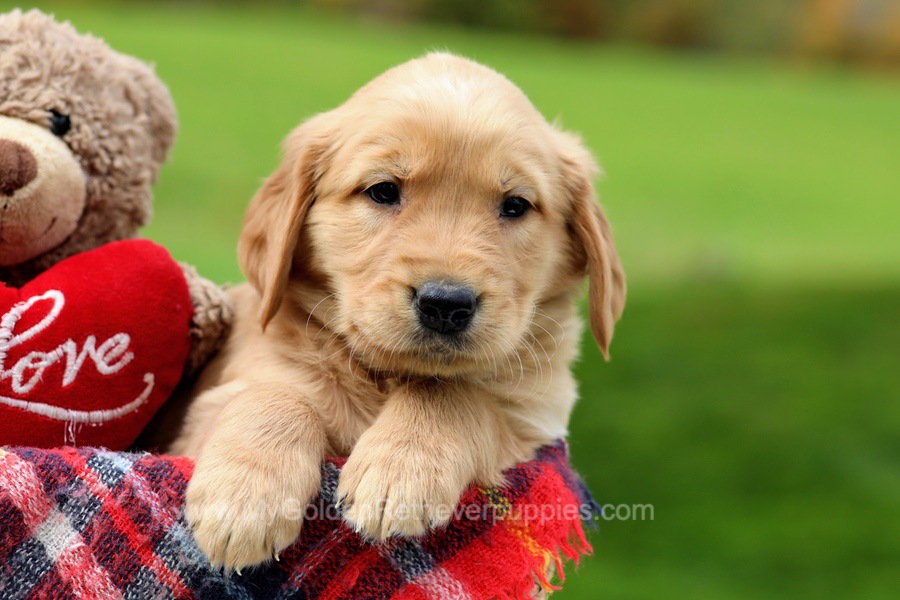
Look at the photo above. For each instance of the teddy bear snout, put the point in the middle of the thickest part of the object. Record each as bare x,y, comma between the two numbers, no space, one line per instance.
43,190
18,167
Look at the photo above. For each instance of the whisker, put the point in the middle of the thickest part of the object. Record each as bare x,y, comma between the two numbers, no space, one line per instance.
549,379
309,317
545,315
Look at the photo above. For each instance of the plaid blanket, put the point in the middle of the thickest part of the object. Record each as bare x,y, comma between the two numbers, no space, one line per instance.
90,523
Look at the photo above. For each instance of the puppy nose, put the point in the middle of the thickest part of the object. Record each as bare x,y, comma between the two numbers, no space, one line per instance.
445,307
17,167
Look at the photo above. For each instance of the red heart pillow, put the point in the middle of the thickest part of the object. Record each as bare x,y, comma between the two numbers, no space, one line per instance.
91,348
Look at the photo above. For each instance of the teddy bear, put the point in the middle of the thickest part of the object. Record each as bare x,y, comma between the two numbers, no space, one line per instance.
97,328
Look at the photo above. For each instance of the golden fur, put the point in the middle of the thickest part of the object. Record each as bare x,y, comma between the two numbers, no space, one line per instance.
340,364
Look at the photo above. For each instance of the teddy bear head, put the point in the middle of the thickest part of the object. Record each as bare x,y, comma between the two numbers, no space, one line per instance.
83,133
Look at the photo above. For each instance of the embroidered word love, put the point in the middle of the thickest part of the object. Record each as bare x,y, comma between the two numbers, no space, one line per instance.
109,358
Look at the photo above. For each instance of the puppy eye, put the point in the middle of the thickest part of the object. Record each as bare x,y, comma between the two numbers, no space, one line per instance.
385,192
514,207
60,124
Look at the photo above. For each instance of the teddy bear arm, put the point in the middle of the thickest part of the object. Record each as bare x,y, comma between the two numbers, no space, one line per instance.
211,323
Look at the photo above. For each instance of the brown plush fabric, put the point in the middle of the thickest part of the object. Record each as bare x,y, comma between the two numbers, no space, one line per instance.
213,315
122,124
18,165
84,131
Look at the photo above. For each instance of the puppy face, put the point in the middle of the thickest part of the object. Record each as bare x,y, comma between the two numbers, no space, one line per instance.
439,211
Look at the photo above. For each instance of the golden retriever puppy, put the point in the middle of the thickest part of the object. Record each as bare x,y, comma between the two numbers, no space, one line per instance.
413,267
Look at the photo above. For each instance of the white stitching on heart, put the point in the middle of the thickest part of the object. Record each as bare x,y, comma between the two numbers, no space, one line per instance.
82,416
104,358
109,358
8,323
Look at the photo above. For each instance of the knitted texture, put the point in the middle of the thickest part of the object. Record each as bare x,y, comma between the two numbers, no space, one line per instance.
89,523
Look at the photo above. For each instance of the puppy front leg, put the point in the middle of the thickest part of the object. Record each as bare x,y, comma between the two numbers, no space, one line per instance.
255,475
407,471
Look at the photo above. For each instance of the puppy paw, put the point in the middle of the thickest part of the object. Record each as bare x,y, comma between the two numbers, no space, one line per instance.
400,488
243,516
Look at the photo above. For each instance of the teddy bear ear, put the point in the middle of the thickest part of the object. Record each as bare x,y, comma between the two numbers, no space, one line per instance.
151,98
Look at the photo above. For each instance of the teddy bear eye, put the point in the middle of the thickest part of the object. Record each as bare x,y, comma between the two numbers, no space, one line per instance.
60,124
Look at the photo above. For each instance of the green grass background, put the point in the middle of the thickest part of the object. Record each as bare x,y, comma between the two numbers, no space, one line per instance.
753,393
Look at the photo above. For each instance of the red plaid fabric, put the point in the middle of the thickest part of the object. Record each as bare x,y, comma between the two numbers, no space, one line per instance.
93,524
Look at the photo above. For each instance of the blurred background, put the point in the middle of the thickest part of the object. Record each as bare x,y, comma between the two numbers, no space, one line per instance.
752,152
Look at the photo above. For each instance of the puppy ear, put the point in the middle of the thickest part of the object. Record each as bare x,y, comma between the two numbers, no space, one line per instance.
275,217
593,235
